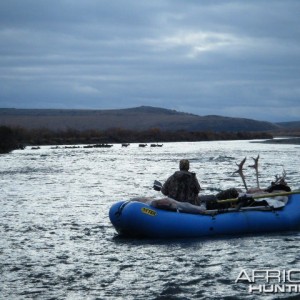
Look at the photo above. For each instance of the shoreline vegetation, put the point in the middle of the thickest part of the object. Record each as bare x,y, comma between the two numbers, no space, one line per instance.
12,138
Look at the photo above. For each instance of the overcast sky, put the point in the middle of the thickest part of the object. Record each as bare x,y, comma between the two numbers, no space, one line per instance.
230,58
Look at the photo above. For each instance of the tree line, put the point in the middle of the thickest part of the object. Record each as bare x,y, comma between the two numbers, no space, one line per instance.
17,138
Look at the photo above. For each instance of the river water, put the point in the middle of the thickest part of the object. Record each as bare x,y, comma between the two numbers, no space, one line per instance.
56,240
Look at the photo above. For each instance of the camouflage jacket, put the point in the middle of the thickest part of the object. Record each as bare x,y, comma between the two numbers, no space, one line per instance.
182,186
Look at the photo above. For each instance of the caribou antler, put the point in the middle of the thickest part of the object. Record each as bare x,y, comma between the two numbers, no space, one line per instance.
255,166
280,179
240,172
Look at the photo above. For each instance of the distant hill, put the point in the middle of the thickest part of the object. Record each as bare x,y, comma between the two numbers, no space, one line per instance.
139,118
289,125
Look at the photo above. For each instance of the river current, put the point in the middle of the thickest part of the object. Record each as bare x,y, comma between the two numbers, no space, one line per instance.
56,240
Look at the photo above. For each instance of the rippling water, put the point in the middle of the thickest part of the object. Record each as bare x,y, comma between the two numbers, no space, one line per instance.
56,241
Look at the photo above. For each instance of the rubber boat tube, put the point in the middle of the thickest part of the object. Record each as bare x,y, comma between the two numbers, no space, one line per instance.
136,219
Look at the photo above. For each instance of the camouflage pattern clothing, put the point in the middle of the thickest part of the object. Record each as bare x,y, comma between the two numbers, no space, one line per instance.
182,186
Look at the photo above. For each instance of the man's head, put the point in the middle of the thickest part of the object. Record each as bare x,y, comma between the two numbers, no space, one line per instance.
184,165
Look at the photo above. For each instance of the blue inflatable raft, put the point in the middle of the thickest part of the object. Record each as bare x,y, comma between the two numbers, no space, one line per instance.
136,219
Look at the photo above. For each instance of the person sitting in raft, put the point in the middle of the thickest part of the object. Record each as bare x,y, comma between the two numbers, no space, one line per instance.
183,185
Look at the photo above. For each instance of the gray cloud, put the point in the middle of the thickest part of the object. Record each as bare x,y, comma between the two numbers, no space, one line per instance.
232,58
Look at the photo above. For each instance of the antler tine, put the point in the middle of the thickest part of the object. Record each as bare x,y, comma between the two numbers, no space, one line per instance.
283,174
240,165
280,179
240,172
255,166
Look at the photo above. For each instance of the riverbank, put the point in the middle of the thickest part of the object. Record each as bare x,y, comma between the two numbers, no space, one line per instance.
16,138
283,140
